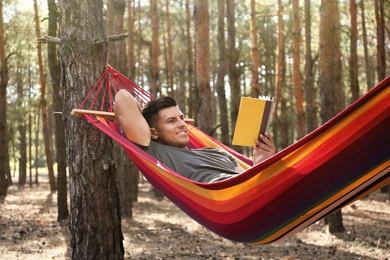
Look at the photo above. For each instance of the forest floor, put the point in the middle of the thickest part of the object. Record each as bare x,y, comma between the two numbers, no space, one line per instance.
159,230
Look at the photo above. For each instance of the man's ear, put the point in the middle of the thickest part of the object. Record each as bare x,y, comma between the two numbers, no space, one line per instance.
153,133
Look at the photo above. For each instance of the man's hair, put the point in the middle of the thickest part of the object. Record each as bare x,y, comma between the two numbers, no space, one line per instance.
150,112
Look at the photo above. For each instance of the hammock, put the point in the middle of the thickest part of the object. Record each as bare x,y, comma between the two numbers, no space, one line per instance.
338,163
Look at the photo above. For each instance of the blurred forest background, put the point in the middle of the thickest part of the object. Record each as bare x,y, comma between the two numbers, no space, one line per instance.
313,57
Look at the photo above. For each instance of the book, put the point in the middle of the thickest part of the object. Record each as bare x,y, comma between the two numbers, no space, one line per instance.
253,119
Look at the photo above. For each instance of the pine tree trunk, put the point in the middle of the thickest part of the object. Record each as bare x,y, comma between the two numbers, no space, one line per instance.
95,222
55,73
330,77
154,47
220,84
255,86
169,41
45,120
297,79
380,36
233,72
127,172
190,65
22,134
280,131
201,19
311,105
367,60
353,59
4,162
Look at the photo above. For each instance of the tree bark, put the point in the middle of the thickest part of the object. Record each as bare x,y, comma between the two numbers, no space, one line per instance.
4,156
255,85
154,49
201,18
95,222
127,172
353,59
367,60
22,131
55,73
280,131
220,84
190,65
297,79
232,70
380,37
169,41
311,104
330,77
45,120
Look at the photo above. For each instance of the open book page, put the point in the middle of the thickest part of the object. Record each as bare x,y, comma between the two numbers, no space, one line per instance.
253,118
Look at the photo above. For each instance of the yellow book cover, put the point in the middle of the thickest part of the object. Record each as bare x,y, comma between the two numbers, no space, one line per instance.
253,118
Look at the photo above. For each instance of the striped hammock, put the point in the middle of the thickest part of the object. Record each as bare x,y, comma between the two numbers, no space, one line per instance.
338,163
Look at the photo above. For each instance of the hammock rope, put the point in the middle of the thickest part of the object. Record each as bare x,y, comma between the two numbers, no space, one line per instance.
345,159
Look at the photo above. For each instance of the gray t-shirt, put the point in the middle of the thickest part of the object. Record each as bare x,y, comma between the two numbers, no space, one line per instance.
202,165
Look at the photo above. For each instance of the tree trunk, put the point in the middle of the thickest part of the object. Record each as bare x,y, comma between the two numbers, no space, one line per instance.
201,19
127,172
37,123
297,79
311,104
380,37
280,130
220,84
353,59
130,40
45,120
4,162
22,131
233,72
55,73
367,60
190,65
169,41
330,76
154,49
255,86
95,222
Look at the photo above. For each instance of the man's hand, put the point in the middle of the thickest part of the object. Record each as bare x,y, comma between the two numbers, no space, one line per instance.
263,150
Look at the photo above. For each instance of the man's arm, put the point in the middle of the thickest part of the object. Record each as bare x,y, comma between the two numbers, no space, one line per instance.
128,113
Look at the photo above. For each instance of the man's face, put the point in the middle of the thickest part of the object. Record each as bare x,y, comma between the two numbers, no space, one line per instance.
171,128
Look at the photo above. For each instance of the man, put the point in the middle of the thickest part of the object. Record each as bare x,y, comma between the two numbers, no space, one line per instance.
161,131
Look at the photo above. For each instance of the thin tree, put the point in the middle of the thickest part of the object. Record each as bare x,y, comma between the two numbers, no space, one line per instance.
127,172
280,114
311,105
131,39
190,65
380,38
255,86
297,77
367,60
330,78
201,19
95,223
353,58
220,84
45,120
169,47
232,70
55,74
21,128
154,48
4,162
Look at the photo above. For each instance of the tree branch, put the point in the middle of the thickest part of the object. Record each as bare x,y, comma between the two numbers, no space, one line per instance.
111,38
